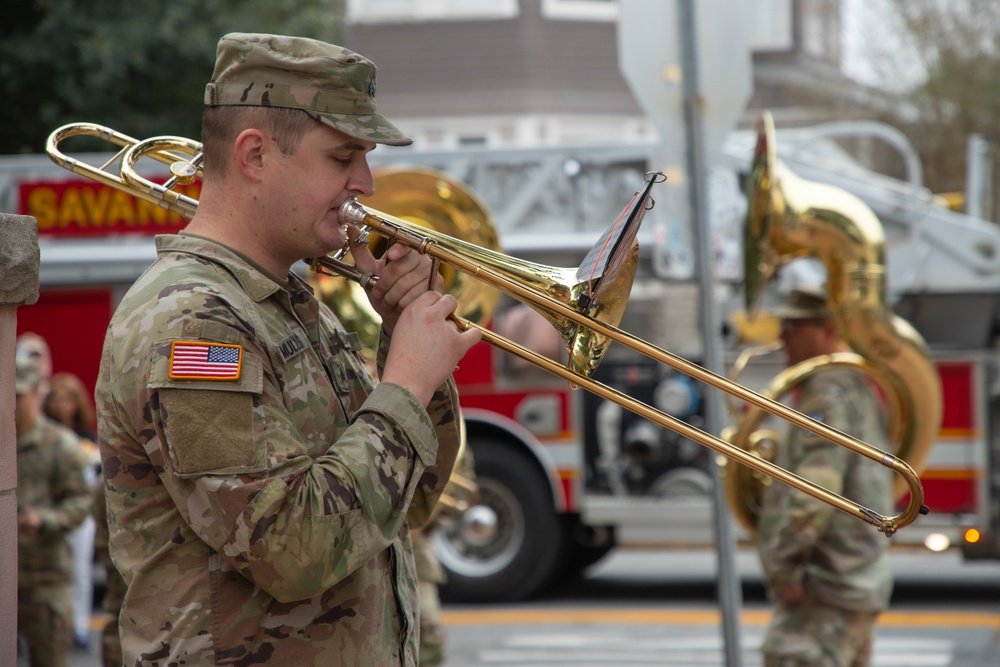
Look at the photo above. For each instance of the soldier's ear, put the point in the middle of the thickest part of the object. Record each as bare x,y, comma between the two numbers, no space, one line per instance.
248,152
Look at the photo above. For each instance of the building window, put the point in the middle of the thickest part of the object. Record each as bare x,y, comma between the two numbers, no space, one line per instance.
372,11
581,10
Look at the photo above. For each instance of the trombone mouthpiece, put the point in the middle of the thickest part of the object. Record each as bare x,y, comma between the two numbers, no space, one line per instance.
352,212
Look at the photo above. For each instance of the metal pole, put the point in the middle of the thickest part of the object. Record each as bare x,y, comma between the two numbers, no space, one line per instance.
975,153
729,591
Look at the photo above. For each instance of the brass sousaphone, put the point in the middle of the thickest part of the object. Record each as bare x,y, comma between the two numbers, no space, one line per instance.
789,218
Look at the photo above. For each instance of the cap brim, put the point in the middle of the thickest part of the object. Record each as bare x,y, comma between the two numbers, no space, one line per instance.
367,127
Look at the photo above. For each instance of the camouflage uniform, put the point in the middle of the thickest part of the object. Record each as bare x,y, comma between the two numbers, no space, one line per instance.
262,519
50,480
841,562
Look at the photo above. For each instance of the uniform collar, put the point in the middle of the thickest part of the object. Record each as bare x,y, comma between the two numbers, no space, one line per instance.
255,281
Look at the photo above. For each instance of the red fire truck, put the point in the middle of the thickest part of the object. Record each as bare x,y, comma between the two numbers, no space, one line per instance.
564,477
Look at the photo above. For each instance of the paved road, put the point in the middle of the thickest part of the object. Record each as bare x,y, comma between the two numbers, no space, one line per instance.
657,608
641,609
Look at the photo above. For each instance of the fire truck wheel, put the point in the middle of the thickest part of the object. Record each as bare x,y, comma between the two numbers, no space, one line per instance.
506,547
585,546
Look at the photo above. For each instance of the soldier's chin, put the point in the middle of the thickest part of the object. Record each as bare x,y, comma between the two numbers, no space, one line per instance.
336,239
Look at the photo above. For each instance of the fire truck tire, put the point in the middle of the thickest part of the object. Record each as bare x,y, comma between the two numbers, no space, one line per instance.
507,547
584,547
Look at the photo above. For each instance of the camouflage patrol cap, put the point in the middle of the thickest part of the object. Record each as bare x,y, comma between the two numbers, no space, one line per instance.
27,376
332,84
803,304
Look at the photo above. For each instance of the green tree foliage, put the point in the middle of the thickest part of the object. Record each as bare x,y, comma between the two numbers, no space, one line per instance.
138,67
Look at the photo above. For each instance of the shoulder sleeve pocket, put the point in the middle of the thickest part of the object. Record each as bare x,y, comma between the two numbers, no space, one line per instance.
211,426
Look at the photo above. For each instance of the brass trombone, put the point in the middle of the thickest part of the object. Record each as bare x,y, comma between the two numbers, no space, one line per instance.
584,304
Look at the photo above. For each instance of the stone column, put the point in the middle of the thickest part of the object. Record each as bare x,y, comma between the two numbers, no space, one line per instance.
19,262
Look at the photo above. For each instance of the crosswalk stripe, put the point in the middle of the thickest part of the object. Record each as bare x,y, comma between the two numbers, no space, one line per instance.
540,650
752,617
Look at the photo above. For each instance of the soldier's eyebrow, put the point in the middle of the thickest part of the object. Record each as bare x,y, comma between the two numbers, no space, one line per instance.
349,146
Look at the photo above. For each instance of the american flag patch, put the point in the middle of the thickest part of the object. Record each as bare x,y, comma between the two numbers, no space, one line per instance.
191,360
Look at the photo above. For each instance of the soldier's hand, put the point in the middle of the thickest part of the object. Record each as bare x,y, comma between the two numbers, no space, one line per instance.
426,346
28,522
403,276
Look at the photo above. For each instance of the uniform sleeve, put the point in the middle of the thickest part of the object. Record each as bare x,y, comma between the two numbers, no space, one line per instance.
73,494
445,414
791,522
248,466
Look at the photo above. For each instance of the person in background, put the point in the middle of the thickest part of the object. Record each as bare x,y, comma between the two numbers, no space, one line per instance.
67,402
31,344
826,572
527,327
53,498
261,487
430,576
114,588
430,573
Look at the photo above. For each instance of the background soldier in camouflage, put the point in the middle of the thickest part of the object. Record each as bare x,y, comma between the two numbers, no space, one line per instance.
430,574
827,572
53,498
260,485
114,585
